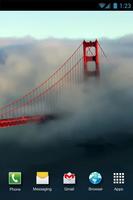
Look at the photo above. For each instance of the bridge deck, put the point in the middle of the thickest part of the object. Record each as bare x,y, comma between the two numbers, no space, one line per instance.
4,123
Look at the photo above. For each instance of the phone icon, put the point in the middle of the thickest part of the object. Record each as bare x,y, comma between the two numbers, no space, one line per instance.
14,178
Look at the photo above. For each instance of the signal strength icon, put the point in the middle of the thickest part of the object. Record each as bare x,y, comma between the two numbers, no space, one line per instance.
105,5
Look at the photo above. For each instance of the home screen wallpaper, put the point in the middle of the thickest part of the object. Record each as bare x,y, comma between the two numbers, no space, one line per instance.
66,105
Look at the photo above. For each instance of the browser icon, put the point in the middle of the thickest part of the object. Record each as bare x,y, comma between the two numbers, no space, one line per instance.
95,178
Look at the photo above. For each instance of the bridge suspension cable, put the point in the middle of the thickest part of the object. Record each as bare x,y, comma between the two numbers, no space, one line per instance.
103,52
36,105
53,81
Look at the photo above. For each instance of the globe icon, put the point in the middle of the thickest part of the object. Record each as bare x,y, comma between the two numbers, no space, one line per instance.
95,178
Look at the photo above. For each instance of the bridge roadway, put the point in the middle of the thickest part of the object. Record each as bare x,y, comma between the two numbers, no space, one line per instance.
4,123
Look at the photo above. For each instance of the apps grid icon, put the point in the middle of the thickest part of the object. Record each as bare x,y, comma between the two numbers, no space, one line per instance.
118,178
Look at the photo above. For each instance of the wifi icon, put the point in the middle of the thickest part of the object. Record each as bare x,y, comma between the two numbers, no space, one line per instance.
102,5
105,5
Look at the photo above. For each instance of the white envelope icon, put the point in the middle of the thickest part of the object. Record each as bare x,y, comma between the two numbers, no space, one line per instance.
42,178
69,178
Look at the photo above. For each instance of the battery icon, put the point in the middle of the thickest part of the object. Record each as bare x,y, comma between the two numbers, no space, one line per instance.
115,5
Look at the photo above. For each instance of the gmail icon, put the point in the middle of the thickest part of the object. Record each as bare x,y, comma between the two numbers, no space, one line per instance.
69,178
42,178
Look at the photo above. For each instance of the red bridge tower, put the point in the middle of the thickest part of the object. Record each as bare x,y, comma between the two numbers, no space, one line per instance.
91,58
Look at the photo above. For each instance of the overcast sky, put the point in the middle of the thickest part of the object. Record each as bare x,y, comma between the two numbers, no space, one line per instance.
65,24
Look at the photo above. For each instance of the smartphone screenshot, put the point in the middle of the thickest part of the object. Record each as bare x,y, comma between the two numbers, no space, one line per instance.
66,93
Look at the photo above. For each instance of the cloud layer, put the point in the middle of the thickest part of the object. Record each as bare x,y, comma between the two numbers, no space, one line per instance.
97,108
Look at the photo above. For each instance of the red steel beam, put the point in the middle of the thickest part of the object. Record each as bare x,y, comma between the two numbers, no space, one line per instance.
4,123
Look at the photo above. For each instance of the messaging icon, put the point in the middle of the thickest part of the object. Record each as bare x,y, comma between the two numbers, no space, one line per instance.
69,178
42,178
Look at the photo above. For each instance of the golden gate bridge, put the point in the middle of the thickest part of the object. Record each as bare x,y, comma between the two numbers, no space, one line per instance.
33,106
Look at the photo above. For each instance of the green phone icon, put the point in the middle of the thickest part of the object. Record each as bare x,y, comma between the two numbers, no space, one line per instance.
14,178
